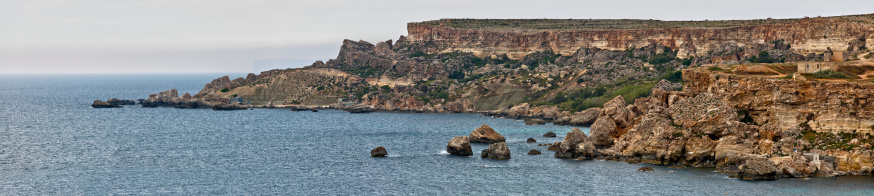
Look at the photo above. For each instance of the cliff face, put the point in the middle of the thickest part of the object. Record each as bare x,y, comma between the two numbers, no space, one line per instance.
824,106
804,35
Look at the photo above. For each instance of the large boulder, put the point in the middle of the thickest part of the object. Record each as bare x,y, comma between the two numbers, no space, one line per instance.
498,151
378,152
459,145
602,130
757,169
576,145
485,134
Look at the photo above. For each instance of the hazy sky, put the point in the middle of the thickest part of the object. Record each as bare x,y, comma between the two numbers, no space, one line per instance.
229,36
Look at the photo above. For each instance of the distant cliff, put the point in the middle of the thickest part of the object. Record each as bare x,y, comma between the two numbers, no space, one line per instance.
520,37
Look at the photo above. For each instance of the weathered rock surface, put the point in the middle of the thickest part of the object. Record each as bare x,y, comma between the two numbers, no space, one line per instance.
518,41
485,134
757,169
498,151
378,152
459,145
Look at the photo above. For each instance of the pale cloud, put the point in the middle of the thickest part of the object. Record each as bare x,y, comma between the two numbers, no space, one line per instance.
230,35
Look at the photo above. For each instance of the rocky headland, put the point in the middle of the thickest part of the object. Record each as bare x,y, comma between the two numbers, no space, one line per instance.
723,94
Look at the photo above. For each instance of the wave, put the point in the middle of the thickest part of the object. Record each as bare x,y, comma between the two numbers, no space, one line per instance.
444,152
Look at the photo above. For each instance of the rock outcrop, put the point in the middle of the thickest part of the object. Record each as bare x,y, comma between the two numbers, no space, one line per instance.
576,145
533,152
103,104
531,140
459,145
485,134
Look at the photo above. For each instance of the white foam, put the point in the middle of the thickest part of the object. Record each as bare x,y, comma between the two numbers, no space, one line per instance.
444,153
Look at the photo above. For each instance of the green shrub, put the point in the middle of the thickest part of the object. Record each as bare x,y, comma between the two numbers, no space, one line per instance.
225,90
827,74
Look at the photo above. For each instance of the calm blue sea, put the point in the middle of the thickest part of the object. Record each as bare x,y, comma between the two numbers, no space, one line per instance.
53,143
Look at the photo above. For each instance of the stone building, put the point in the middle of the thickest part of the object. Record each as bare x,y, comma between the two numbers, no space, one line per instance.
815,66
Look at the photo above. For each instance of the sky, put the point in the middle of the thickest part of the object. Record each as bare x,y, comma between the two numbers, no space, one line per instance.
160,36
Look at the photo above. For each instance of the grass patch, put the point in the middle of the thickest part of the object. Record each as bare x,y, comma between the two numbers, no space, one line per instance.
828,74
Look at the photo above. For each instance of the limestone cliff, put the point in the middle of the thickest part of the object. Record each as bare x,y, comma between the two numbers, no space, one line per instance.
518,38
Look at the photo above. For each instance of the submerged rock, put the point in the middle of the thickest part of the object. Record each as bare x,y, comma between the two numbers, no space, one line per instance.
533,152
485,134
459,145
378,152
549,134
498,151
645,169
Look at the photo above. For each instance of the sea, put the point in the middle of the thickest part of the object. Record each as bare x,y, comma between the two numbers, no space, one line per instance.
53,143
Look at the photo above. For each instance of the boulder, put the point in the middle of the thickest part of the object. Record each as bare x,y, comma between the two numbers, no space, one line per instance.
602,130
549,134
575,145
378,152
484,154
103,104
757,169
498,151
533,152
531,140
485,134
645,169
459,145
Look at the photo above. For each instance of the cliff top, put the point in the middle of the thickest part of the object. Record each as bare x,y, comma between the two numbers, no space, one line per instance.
590,24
